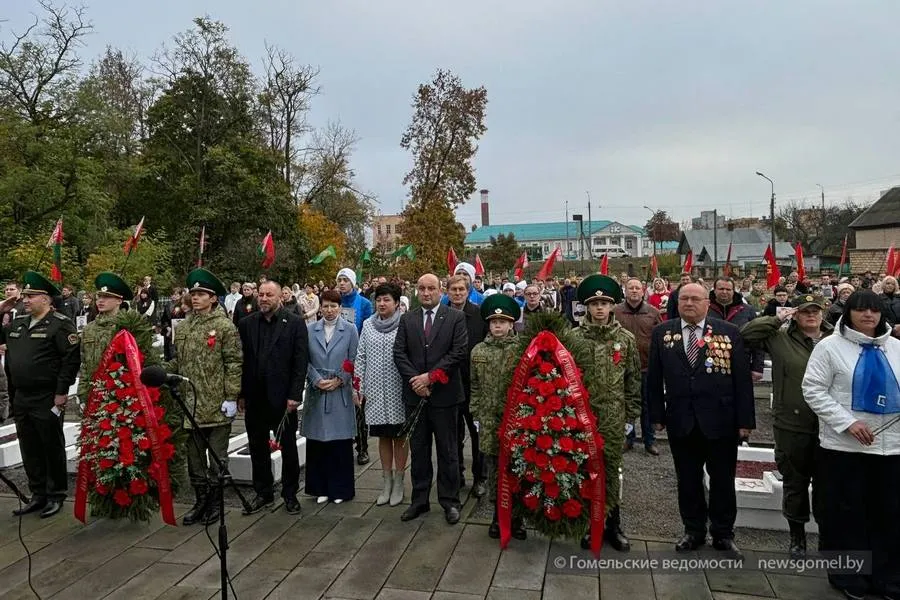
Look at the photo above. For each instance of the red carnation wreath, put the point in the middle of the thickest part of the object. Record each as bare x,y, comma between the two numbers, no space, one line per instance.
551,469
125,446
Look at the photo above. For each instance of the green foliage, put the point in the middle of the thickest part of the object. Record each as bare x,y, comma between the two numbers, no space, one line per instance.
661,228
431,228
502,254
151,257
32,254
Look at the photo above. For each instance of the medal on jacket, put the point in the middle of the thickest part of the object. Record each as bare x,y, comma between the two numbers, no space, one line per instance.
617,353
211,339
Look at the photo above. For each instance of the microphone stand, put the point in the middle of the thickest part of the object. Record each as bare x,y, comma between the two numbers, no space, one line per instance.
223,478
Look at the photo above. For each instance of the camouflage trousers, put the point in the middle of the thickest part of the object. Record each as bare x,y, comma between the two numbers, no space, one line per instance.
203,470
490,471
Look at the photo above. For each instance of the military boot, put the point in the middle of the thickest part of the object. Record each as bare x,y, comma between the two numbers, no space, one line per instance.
195,514
211,515
494,529
613,531
798,540
518,529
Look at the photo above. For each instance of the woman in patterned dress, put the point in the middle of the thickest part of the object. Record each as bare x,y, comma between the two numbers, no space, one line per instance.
381,389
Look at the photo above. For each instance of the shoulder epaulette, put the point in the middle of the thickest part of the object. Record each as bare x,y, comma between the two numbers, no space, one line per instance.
61,316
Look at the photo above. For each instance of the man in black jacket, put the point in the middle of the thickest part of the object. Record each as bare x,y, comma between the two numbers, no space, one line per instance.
429,351
700,391
458,294
275,347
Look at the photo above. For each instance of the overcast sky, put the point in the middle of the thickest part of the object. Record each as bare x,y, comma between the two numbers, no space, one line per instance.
665,103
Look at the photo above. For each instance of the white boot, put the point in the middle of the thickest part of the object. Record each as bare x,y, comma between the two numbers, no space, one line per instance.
386,492
397,488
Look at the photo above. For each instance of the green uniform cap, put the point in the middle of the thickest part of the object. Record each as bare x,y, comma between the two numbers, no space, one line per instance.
599,287
110,284
804,300
201,280
35,283
500,306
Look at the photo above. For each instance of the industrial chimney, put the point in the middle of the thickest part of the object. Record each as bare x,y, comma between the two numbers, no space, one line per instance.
485,209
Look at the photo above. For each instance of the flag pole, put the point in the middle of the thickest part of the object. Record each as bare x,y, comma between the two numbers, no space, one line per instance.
46,247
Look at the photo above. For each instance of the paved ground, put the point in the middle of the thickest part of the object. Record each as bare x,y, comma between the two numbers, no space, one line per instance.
356,550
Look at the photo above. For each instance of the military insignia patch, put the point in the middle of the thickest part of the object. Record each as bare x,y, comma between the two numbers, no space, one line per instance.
196,284
104,289
809,298
27,286
73,339
497,311
598,293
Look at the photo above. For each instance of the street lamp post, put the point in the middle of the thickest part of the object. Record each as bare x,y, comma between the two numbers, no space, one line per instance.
771,212
653,231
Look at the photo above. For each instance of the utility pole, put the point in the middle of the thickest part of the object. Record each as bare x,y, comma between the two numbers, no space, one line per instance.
716,242
590,229
567,228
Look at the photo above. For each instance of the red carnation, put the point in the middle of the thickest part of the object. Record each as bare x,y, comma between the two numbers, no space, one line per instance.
121,417
167,451
556,424
107,463
572,423
144,444
529,454
137,487
531,502
586,490
163,432
572,508
123,433
211,342
553,513
439,376
548,477
572,466
348,367
534,382
529,476
159,411
546,343
544,442
541,460
101,489
122,498
535,423
126,458
115,366
104,441
111,407
105,425
123,393
546,389
545,368
554,403
566,444
551,490
559,463
140,421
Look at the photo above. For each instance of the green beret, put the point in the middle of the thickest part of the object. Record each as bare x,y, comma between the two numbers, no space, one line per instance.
599,287
804,300
35,283
201,280
110,284
500,306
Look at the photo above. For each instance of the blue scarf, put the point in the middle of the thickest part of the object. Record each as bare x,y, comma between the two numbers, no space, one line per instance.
875,388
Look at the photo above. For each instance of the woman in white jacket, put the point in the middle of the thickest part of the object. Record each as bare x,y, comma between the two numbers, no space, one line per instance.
851,383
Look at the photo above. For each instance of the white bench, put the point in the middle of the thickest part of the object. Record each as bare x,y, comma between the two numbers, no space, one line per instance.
242,471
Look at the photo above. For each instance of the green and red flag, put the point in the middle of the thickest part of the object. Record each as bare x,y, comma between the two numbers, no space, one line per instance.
55,242
132,241
266,251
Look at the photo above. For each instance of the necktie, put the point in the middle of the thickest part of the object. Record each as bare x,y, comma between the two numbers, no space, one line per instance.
429,321
693,351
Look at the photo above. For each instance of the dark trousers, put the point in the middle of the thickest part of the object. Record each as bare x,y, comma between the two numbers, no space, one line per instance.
690,454
202,468
260,419
466,421
646,426
329,469
362,432
438,423
861,505
795,455
43,447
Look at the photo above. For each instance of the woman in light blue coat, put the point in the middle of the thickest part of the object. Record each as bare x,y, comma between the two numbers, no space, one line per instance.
329,415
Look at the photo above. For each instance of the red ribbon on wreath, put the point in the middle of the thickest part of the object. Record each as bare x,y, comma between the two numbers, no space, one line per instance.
545,341
124,343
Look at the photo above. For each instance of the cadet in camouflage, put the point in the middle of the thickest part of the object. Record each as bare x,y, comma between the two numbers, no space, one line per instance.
111,291
614,385
492,361
208,352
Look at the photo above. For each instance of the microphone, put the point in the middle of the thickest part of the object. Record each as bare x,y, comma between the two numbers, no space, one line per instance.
155,376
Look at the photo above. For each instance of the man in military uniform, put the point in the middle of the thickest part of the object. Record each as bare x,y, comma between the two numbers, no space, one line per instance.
111,292
42,356
208,352
614,385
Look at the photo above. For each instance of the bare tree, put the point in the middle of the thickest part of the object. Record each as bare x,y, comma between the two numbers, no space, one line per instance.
41,62
285,99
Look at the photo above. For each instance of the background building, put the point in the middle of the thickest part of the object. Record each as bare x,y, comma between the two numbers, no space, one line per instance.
708,220
876,230
386,231
748,246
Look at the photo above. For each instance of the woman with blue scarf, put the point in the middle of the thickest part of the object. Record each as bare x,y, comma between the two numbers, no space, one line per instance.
851,383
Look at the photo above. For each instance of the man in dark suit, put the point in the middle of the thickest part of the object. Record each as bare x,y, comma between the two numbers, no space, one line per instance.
458,294
275,347
700,390
431,344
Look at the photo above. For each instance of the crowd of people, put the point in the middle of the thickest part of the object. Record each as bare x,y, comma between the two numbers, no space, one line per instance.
421,365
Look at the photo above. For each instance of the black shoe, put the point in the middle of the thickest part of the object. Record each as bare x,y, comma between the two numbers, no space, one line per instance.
798,540
586,541
195,514
257,504
617,540
452,515
53,507
652,449
292,505
36,504
211,514
362,458
494,530
688,542
728,546
479,489
414,511
518,530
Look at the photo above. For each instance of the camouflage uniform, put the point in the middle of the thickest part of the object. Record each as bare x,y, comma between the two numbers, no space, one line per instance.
94,340
215,371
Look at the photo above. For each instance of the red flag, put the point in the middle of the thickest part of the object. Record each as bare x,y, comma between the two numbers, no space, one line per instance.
604,265
452,261
479,268
266,251
132,242
547,270
521,265
654,267
728,262
55,242
801,267
772,272
843,255
688,262
202,246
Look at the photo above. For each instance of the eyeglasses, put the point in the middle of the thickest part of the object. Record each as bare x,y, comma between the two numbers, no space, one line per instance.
533,294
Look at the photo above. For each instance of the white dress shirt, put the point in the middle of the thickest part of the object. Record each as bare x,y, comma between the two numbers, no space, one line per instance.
686,332
425,315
